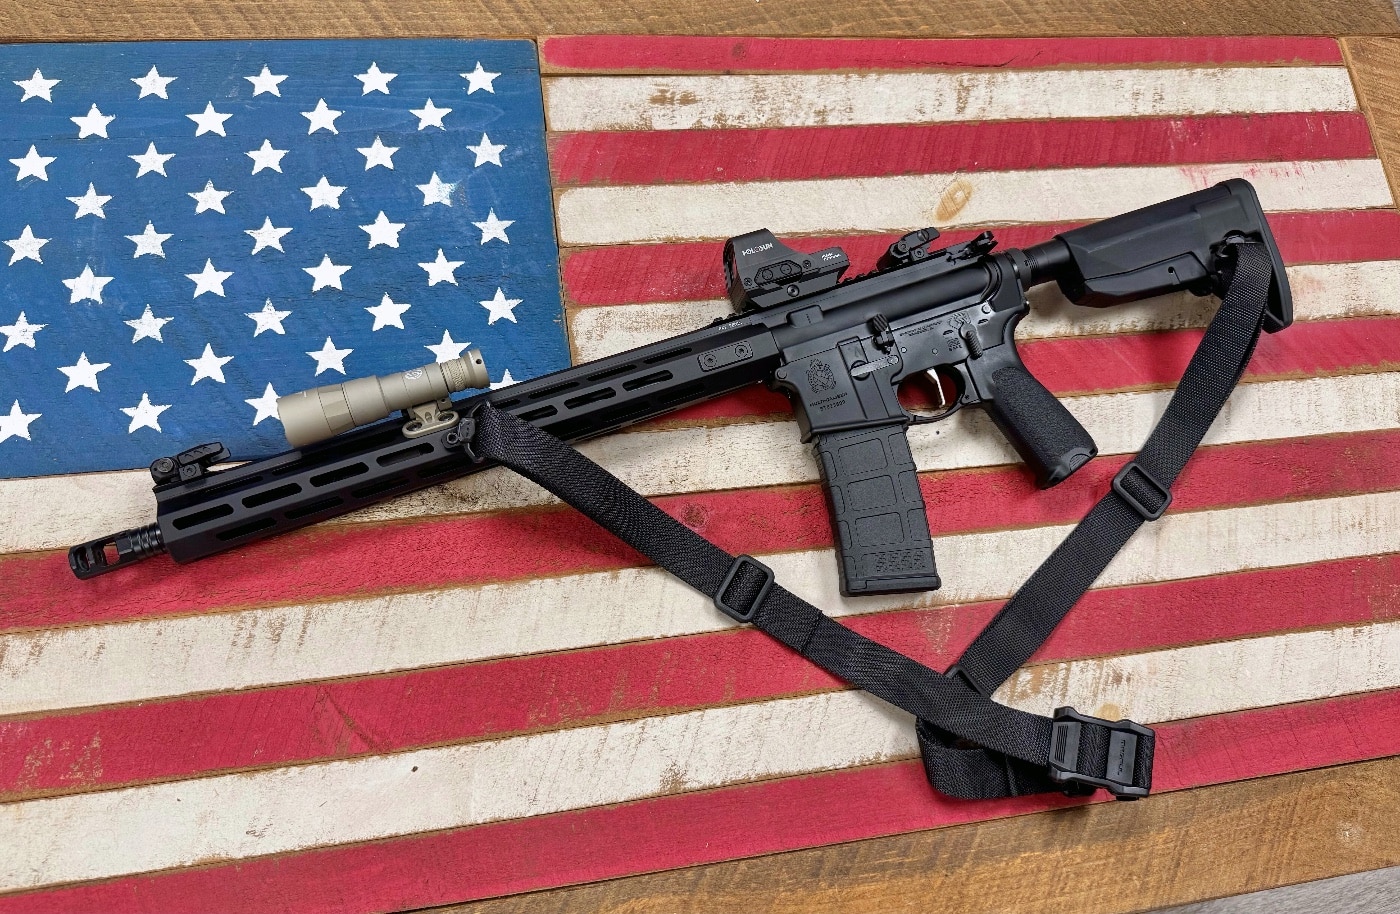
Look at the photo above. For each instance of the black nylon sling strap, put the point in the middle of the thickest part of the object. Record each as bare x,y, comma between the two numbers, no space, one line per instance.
1141,492
1015,752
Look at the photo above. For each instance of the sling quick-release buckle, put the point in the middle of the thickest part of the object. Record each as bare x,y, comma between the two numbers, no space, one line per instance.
1120,777
1134,484
734,612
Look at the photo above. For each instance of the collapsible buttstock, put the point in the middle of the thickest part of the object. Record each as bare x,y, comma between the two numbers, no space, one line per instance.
877,511
1048,438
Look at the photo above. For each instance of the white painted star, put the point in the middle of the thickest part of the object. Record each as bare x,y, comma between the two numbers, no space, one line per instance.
480,79
90,204
144,414
21,333
152,161
266,405
37,87
324,194
147,326
448,349
267,157
505,381
208,365
375,80
321,118
388,313
442,269
269,318
382,231
209,198
487,151
26,246
265,82
326,274
209,280
494,228
430,115
94,123
500,307
86,286
150,241
378,154
16,424
330,358
269,236
153,83
437,191
33,165
209,121
83,373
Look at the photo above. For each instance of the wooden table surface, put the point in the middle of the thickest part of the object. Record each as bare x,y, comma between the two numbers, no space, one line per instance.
1254,834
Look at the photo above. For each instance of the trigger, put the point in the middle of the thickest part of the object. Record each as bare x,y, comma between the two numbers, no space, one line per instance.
943,401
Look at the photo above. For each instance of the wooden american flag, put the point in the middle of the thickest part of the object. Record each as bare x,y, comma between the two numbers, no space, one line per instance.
472,691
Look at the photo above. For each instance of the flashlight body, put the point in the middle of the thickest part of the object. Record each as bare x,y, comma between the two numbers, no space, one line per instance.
309,416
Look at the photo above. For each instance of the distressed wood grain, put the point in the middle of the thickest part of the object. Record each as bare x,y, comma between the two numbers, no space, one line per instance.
1375,69
683,829
49,20
705,54
674,212
1105,859
1358,893
160,826
319,721
575,103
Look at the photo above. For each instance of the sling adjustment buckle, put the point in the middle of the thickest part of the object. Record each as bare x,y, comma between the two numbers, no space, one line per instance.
1118,778
1133,484
744,614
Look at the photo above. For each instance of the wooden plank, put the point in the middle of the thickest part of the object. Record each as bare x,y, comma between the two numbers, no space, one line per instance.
51,20
683,156
574,103
688,828
1374,64
320,721
1359,893
1104,859
671,54
671,212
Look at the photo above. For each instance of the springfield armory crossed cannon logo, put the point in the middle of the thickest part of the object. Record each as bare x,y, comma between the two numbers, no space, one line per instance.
820,377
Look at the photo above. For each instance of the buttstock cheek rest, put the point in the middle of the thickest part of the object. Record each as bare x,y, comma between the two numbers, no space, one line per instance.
877,511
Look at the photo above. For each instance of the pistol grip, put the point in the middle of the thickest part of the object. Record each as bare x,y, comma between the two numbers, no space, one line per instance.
877,511
1048,438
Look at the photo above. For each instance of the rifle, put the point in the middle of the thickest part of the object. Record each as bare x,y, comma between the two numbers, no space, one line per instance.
838,349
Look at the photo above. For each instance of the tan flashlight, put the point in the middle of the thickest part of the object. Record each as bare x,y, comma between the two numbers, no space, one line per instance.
314,415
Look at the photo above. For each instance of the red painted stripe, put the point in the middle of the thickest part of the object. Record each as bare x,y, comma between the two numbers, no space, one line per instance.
691,271
706,826
676,54
1087,365
112,747
36,591
685,156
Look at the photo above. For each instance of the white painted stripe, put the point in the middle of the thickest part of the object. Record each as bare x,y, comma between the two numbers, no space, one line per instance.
671,212
144,659
236,816
771,100
1320,292
45,513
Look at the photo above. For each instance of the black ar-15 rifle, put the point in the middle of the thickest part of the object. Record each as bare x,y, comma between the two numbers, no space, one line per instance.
839,350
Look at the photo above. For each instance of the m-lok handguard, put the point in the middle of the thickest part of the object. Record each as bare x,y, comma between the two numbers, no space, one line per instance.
838,348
